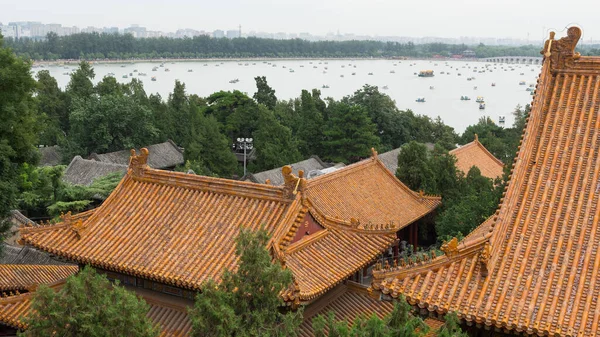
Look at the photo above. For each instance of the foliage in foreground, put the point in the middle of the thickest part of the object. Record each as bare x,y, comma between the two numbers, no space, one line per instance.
246,302
399,323
88,305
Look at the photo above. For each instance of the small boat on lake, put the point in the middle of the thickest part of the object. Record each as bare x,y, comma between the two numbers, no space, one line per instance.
370,74
153,78
465,98
479,99
420,99
426,73
190,71
325,86
385,87
481,106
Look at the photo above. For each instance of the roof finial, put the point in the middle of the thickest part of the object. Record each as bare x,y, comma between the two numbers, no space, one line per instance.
561,53
293,184
373,153
138,163
476,138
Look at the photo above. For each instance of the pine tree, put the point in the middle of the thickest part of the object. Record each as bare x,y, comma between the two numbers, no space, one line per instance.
88,305
349,133
246,302
264,94
451,327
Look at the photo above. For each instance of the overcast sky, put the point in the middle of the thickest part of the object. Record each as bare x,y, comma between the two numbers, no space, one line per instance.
442,18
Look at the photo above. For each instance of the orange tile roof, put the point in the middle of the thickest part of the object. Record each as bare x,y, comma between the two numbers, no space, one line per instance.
475,154
23,276
179,229
172,317
369,193
534,267
347,302
350,301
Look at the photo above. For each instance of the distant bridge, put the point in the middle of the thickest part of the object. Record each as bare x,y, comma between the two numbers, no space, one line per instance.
513,59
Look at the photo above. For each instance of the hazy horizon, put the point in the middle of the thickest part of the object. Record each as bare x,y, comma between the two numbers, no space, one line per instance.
507,19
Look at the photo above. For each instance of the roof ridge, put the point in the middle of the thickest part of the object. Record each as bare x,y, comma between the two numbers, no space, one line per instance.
219,185
95,162
341,171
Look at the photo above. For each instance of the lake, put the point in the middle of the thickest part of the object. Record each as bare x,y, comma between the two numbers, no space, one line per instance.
442,92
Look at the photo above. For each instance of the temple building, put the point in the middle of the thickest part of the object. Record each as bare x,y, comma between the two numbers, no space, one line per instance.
532,268
164,233
475,154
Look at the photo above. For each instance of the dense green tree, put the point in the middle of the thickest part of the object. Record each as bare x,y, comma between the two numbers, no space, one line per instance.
383,112
109,123
310,125
246,302
88,305
273,142
414,168
179,109
43,193
349,133
476,200
109,86
52,105
264,93
210,148
19,128
237,112
80,86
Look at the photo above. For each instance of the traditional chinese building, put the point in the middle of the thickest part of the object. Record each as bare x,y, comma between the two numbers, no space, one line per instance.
165,233
475,154
532,268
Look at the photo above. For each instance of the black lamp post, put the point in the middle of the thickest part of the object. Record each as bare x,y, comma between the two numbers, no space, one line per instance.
246,144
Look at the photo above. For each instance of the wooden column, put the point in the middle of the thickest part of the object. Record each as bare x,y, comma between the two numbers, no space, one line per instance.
415,235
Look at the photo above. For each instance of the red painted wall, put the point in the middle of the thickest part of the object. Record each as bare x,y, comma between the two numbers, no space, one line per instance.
309,226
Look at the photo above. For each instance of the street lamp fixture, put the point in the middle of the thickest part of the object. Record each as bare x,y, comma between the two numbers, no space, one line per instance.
245,144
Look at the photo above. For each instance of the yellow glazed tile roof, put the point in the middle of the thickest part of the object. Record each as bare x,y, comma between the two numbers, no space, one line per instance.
475,154
23,276
179,229
533,267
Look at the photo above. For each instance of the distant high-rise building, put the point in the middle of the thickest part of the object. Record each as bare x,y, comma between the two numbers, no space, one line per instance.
136,31
217,34
232,34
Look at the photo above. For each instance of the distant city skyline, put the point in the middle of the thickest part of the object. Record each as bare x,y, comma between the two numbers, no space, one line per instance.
36,29
510,19
441,18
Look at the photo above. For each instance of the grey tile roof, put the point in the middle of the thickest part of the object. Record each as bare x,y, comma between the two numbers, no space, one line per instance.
50,155
26,255
312,163
83,171
161,156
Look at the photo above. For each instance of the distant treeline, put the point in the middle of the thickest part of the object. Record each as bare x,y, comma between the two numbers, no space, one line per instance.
94,46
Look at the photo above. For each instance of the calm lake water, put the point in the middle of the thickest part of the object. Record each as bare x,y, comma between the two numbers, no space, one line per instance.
442,92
